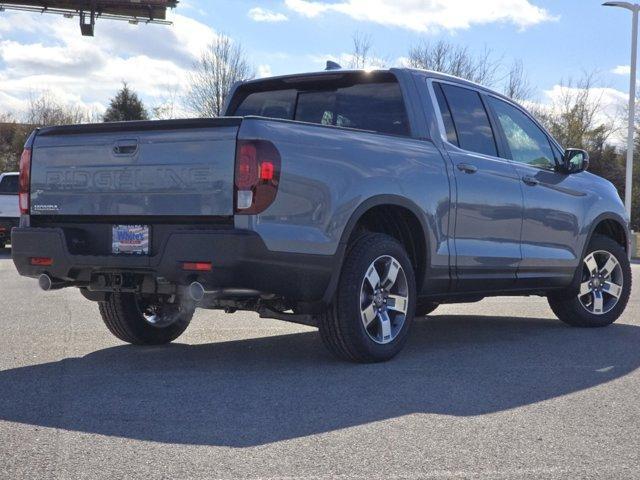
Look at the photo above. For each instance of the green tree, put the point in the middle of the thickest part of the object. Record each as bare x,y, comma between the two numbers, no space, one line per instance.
12,138
125,106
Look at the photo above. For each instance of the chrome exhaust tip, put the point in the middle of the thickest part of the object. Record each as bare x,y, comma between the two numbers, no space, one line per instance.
196,291
44,282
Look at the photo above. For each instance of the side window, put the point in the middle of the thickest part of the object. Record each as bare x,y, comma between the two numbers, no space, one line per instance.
528,144
447,119
9,185
470,120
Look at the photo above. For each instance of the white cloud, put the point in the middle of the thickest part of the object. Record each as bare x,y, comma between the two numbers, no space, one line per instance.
622,70
611,102
264,71
262,15
85,71
429,15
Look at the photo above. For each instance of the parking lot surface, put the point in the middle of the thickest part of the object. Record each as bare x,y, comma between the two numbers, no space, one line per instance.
496,389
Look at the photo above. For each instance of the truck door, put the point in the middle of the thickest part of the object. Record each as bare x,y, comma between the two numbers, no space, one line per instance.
488,203
553,204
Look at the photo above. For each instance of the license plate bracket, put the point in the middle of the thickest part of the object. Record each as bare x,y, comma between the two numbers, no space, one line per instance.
130,240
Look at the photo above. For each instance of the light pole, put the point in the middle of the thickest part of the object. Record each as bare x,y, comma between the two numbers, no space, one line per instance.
635,8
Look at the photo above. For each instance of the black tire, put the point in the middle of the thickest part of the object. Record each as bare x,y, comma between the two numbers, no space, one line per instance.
424,307
123,315
568,307
341,326
2,245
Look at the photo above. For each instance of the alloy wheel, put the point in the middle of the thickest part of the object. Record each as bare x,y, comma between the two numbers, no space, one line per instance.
384,299
602,282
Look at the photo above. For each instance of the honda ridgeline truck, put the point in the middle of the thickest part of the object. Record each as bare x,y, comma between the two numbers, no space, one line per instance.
347,200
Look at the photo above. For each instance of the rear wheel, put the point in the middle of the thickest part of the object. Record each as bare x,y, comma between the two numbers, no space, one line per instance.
145,320
605,286
375,303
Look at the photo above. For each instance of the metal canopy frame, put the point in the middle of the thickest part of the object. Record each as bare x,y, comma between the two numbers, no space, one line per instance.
93,10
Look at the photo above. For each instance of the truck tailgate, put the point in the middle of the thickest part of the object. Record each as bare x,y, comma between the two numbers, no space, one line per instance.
159,168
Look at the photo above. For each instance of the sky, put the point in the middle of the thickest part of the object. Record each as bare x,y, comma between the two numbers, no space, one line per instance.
556,40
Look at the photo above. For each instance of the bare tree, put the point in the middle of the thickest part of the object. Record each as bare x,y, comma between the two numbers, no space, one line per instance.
576,117
456,60
168,107
517,86
45,109
361,51
220,65
362,55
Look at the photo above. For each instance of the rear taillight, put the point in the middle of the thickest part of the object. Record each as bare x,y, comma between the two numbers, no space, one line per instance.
41,261
197,266
257,176
24,181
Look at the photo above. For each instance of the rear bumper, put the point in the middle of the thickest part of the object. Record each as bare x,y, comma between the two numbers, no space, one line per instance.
6,224
240,259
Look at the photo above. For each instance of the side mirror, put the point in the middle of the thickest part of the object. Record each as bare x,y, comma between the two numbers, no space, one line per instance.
575,160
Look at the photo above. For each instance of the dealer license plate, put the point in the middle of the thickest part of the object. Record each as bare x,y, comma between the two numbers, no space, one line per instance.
130,239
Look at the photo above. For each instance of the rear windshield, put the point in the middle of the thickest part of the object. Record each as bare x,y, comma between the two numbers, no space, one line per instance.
9,185
378,107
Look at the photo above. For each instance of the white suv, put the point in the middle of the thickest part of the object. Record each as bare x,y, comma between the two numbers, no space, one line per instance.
9,209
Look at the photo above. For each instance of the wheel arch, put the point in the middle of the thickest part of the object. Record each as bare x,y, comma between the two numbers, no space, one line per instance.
356,220
610,225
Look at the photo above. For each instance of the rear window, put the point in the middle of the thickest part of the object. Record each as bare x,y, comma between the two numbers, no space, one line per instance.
273,104
9,185
378,107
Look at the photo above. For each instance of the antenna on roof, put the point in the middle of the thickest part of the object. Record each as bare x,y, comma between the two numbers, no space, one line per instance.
333,65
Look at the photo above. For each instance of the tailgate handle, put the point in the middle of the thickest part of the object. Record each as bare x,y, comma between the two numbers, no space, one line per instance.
125,147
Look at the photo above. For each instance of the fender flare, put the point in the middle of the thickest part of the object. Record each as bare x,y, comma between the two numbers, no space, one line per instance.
358,213
599,219
575,283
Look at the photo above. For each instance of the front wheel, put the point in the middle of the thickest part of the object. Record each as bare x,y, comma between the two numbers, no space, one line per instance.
145,320
605,286
375,303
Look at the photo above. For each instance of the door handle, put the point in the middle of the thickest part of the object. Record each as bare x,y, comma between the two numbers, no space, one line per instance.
125,147
467,168
532,182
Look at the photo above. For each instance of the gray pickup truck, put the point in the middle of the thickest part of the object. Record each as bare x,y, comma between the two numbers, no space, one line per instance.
347,200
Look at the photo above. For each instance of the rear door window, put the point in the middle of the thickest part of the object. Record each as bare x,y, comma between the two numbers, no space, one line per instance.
9,185
470,120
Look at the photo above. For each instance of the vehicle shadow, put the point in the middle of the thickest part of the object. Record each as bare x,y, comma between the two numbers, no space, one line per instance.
251,392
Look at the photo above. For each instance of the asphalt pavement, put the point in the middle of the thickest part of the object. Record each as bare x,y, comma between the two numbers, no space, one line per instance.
496,389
